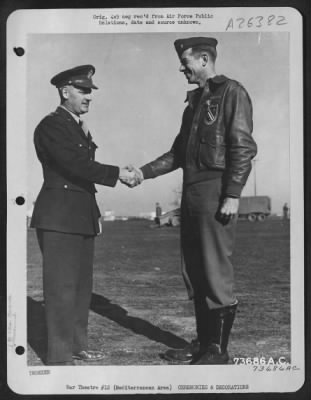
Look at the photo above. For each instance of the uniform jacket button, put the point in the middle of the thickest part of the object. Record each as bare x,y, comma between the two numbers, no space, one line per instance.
80,145
66,186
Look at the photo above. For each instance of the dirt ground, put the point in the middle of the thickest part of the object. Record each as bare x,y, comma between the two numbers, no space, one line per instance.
140,307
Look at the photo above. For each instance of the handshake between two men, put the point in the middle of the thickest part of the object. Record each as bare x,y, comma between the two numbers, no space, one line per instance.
131,176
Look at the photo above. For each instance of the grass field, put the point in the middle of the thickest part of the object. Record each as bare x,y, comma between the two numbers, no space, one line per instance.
140,307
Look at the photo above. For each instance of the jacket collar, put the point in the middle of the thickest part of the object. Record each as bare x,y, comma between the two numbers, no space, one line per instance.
68,117
215,81
74,116
65,114
218,79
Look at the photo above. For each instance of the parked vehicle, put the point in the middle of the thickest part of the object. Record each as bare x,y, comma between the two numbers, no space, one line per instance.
255,208
171,218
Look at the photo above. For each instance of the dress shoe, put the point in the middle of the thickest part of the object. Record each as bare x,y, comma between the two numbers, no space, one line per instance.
185,355
88,355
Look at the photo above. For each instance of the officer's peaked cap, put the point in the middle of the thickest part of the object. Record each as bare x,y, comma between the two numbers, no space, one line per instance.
80,76
183,44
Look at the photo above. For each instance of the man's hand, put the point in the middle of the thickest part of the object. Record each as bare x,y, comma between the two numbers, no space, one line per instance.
229,209
127,177
139,177
131,176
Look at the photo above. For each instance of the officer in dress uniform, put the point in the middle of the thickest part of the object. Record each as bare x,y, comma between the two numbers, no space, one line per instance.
214,148
66,216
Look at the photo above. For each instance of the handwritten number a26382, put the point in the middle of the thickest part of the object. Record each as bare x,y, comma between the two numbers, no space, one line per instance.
256,22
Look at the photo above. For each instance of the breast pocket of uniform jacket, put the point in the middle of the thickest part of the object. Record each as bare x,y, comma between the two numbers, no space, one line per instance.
82,146
84,149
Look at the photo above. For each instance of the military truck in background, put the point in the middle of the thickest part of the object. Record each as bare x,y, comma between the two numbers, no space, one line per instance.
170,218
255,208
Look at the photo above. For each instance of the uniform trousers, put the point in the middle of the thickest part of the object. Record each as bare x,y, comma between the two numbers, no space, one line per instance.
67,289
207,244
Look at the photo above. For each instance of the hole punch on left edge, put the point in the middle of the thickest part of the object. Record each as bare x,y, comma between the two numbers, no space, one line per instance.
20,200
19,51
20,350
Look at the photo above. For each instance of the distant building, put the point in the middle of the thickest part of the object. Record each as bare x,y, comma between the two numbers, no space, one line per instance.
148,215
121,218
108,215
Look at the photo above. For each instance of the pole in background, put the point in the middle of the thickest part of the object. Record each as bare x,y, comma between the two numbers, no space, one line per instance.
255,177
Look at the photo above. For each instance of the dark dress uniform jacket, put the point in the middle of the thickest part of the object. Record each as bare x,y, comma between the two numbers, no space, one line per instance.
66,202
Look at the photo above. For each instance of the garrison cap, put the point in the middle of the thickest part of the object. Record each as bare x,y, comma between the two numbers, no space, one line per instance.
79,76
183,44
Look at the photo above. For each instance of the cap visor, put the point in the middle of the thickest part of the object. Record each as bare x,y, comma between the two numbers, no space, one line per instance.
85,85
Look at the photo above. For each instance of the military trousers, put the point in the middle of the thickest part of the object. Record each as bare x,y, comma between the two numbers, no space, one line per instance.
207,244
67,290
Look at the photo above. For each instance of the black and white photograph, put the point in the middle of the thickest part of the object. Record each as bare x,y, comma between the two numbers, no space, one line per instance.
155,220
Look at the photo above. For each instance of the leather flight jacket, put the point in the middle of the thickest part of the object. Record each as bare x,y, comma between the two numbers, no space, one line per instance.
215,137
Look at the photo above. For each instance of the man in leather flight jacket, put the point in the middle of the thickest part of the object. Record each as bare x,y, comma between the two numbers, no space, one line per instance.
214,148
66,216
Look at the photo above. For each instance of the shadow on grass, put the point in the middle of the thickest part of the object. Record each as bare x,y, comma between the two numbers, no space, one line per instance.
37,335
103,306
36,330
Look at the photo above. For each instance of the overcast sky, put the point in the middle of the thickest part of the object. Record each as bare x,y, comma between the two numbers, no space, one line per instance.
136,113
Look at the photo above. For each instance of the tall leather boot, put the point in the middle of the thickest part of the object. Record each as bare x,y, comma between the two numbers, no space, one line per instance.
221,321
192,350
